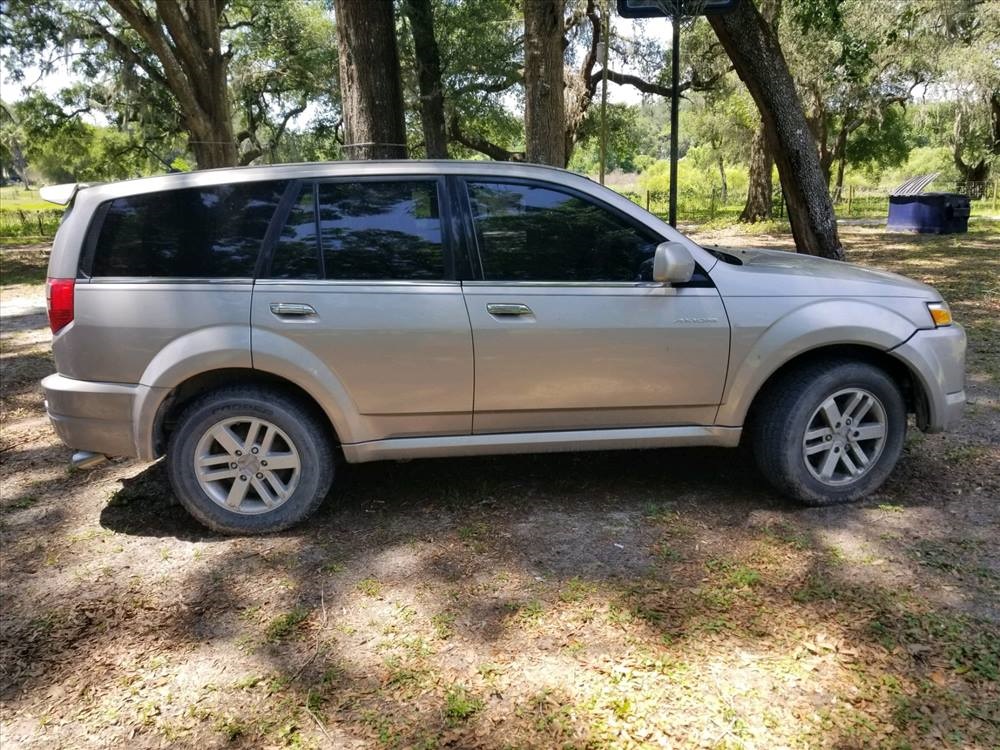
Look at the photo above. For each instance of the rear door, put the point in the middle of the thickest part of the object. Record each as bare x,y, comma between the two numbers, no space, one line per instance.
570,330
361,276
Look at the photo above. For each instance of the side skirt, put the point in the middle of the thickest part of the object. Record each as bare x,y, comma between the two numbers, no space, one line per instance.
541,442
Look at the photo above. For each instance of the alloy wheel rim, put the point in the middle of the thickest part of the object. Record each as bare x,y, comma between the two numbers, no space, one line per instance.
844,437
247,465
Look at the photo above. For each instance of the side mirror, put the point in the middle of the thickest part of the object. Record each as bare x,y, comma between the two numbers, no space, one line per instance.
672,263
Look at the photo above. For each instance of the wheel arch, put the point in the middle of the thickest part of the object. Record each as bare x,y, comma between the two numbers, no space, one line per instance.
179,397
908,382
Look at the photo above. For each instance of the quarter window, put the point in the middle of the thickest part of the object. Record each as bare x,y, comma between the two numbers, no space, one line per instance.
208,232
531,233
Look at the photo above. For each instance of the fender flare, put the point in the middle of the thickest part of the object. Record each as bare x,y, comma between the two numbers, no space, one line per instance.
213,348
229,347
802,330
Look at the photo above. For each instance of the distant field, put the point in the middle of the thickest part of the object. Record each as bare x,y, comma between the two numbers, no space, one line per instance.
25,217
15,197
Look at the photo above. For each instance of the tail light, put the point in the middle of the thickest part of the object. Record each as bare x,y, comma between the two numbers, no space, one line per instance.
59,298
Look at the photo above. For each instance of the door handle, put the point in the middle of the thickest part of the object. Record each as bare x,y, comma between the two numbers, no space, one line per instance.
299,309
508,308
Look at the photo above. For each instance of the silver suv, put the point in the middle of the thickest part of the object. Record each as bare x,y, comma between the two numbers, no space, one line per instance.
256,325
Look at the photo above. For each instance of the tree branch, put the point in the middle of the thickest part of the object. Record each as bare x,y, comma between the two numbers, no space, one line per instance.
649,87
493,87
124,51
480,144
646,87
153,35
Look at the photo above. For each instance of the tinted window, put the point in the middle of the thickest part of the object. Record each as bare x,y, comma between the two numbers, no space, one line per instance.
528,233
296,255
381,230
209,232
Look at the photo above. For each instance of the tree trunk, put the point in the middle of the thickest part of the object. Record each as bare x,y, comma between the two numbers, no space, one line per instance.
760,189
544,113
371,90
724,193
838,190
995,121
826,164
756,54
186,38
840,153
428,77
214,143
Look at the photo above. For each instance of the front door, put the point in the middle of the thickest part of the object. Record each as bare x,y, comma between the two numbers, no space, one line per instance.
571,332
361,279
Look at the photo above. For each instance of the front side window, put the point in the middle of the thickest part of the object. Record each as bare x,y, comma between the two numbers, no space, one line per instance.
208,232
363,231
531,233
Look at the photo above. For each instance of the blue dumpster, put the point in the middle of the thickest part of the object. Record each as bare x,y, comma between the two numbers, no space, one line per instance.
932,213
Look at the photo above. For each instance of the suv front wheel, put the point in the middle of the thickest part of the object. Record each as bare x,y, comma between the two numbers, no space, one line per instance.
831,432
246,460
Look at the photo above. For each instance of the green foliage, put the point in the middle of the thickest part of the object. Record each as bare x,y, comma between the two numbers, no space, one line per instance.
880,143
460,705
924,160
855,64
284,64
627,133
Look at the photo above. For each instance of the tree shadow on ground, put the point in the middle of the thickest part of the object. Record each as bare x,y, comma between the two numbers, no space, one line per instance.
564,594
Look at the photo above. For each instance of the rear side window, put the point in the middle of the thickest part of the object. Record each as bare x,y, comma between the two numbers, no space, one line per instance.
208,232
363,231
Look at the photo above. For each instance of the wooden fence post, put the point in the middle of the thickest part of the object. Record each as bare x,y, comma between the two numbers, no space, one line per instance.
647,200
850,198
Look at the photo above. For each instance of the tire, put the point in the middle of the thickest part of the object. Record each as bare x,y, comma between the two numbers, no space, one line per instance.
799,465
247,484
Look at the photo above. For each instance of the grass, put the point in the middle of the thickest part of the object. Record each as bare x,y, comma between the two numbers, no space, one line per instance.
285,625
370,587
25,217
16,198
460,705
23,267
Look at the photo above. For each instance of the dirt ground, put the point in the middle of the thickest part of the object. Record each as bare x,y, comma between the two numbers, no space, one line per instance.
610,600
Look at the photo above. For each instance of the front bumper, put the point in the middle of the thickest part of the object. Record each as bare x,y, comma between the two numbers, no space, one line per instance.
937,359
96,417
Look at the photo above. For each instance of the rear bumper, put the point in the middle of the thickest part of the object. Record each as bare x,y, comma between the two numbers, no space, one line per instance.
937,358
95,417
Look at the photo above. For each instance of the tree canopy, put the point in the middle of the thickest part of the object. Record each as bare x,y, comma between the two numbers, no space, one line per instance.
885,87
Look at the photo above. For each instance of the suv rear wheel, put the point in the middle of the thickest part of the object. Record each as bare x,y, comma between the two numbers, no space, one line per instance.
831,432
245,460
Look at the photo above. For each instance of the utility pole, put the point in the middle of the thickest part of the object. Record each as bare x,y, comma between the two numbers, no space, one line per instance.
675,75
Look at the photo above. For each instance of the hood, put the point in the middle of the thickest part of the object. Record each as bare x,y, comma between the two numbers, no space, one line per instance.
762,272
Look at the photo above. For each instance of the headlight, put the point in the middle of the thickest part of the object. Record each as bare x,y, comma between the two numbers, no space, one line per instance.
940,313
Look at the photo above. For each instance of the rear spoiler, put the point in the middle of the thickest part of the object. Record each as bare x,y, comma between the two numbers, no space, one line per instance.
62,194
